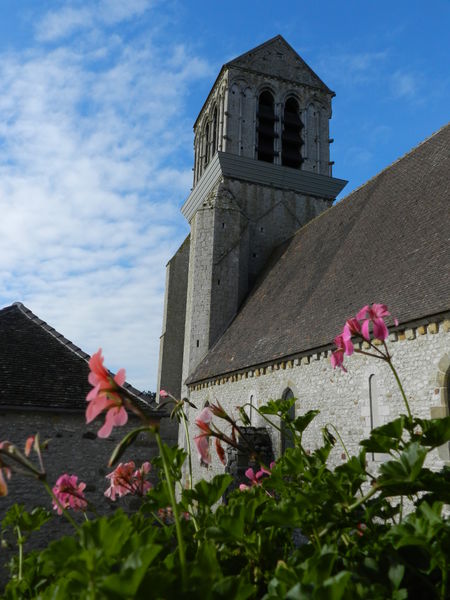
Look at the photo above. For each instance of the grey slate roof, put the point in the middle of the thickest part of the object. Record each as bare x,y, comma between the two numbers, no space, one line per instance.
387,242
254,60
39,367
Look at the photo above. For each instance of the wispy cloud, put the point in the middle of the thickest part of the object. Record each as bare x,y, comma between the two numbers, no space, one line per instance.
59,23
404,85
343,68
94,162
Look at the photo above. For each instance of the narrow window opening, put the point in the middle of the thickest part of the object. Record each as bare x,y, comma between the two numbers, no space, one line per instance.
254,255
206,145
287,440
223,225
198,343
218,282
261,229
291,140
266,127
214,133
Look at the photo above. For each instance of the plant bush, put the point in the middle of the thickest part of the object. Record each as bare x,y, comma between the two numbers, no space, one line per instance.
300,529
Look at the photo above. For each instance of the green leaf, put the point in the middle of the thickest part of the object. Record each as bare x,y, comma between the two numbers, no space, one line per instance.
435,432
277,407
125,443
406,468
209,492
302,422
385,438
395,574
126,583
233,587
334,587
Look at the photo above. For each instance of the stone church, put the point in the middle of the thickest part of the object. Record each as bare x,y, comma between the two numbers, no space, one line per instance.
271,269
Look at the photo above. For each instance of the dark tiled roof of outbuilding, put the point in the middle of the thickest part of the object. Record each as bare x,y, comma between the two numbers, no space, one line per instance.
39,367
388,242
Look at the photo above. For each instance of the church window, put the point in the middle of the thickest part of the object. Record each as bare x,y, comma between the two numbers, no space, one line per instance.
266,127
291,140
287,440
206,145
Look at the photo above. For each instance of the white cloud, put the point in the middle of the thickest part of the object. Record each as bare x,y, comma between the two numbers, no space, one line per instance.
59,23
350,68
404,85
94,163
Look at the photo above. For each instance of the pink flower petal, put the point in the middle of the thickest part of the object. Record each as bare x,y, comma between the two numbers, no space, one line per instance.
362,313
120,376
95,407
365,329
202,444
380,331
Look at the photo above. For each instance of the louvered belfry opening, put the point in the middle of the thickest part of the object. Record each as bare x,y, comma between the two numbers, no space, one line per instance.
266,127
214,133
291,140
206,146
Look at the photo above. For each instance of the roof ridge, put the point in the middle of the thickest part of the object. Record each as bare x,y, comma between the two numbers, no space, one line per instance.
68,344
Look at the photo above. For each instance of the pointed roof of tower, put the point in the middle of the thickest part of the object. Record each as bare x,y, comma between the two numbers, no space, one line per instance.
274,58
277,58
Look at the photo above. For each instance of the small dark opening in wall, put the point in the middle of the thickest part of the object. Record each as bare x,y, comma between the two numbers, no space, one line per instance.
223,225
198,343
261,229
218,282
254,255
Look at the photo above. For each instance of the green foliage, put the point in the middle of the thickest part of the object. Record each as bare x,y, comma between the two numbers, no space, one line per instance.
381,535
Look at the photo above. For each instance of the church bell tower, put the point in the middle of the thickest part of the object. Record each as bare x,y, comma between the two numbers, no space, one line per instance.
262,170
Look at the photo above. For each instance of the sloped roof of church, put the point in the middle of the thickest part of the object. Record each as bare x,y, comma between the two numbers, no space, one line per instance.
386,242
39,367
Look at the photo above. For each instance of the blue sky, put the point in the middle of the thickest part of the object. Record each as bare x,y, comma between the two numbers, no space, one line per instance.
97,103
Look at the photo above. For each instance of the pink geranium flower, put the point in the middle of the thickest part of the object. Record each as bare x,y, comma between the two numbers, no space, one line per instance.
374,314
352,327
337,357
105,395
126,479
220,452
70,493
256,478
5,473
201,441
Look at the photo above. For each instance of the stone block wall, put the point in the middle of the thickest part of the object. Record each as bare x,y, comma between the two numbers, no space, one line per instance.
420,354
74,448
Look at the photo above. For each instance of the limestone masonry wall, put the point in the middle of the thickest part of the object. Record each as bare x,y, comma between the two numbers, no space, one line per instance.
421,356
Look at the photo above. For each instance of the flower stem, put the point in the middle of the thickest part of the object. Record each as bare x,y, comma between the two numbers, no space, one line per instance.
340,438
263,416
183,418
20,544
399,383
373,491
170,487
